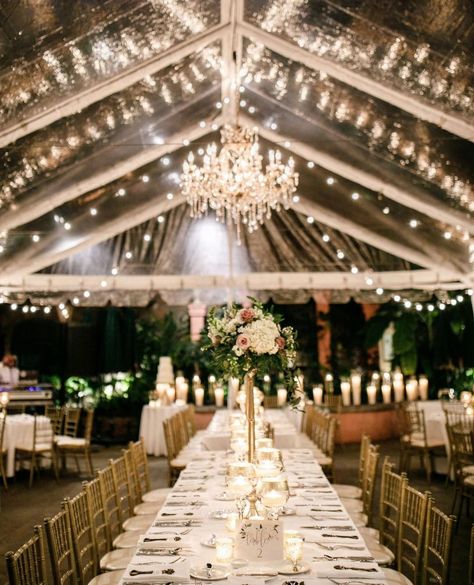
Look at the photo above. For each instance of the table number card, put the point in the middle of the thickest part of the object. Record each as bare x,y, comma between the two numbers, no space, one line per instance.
260,540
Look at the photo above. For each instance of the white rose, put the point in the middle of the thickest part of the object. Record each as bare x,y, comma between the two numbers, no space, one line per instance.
262,335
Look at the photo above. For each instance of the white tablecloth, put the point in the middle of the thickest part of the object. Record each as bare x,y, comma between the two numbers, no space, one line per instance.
151,427
19,433
193,508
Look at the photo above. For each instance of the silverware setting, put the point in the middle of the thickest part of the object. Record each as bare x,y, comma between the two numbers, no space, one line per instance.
329,535
365,569
336,546
350,558
159,552
174,514
319,527
175,523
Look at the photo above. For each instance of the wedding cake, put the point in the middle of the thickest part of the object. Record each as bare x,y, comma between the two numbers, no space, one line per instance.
165,374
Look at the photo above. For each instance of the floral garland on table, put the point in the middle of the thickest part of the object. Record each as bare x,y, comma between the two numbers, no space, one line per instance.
246,340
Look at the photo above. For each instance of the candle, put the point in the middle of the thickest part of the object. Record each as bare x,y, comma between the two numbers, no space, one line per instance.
182,391
179,380
372,394
170,394
282,394
219,396
376,380
386,378
267,469
239,486
412,390
274,499
356,389
264,442
398,387
318,394
386,393
199,396
224,549
231,522
196,381
161,390
294,550
465,397
300,380
4,399
423,387
346,393
290,534
329,384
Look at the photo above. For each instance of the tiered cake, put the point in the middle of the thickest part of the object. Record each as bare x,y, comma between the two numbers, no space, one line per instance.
165,374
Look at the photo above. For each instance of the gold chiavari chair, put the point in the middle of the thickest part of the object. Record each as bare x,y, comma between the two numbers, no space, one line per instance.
462,450
368,489
78,446
182,425
437,547
13,408
191,419
456,418
471,558
42,447
3,451
270,401
126,498
27,566
56,416
142,473
139,508
71,421
308,419
412,531
333,401
383,543
113,516
85,555
415,442
174,467
59,536
352,491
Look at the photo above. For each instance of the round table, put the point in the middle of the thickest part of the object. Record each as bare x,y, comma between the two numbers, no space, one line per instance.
19,433
151,426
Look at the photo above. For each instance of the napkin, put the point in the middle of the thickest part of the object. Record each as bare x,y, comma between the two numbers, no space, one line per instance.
352,570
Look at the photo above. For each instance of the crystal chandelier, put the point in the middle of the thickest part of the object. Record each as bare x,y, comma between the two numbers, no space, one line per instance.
234,182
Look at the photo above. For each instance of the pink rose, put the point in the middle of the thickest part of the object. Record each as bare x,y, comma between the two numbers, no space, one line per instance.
280,341
247,315
243,342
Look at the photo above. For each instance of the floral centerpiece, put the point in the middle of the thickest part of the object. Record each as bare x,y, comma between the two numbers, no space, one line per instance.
244,340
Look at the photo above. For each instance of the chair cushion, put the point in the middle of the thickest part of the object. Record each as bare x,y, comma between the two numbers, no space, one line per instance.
352,506
178,463
468,470
345,490
324,461
64,441
382,554
147,508
139,522
128,539
369,532
395,578
359,518
117,559
111,578
158,495
468,481
431,444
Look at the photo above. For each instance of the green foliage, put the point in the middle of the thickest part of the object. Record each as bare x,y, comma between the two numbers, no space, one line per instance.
79,391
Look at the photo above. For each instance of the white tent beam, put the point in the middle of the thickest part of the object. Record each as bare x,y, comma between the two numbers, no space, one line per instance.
355,230
98,92
396,280
366,179
397,98
143,212
25,212
231,11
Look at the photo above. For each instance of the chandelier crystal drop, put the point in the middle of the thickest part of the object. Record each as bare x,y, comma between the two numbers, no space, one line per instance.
234,182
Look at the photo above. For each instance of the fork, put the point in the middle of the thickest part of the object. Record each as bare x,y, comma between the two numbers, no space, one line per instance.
335,546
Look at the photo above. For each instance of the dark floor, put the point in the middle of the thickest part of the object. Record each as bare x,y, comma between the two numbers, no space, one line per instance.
22,508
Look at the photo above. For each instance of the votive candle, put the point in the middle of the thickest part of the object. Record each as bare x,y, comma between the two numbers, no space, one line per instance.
224,549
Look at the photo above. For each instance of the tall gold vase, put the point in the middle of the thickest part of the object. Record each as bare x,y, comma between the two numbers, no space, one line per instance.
250,408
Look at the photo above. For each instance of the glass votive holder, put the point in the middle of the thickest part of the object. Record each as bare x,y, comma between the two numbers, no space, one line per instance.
294,551
232,521
264,443
224,549
290,534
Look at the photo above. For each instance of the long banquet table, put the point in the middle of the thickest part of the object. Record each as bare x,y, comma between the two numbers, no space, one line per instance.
189,517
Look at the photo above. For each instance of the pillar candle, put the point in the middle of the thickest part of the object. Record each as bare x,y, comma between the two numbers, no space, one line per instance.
386,378
318,394
423,387
282,396
196,381
346,393
386,393
356,389
219,395
376,380
199,396
182,391
170,394
412,390
372,394
398,387
329,384
179,380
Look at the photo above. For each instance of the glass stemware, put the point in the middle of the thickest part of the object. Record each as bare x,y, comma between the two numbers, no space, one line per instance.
273,493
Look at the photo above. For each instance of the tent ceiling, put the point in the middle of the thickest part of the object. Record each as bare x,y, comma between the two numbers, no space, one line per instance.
376,99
